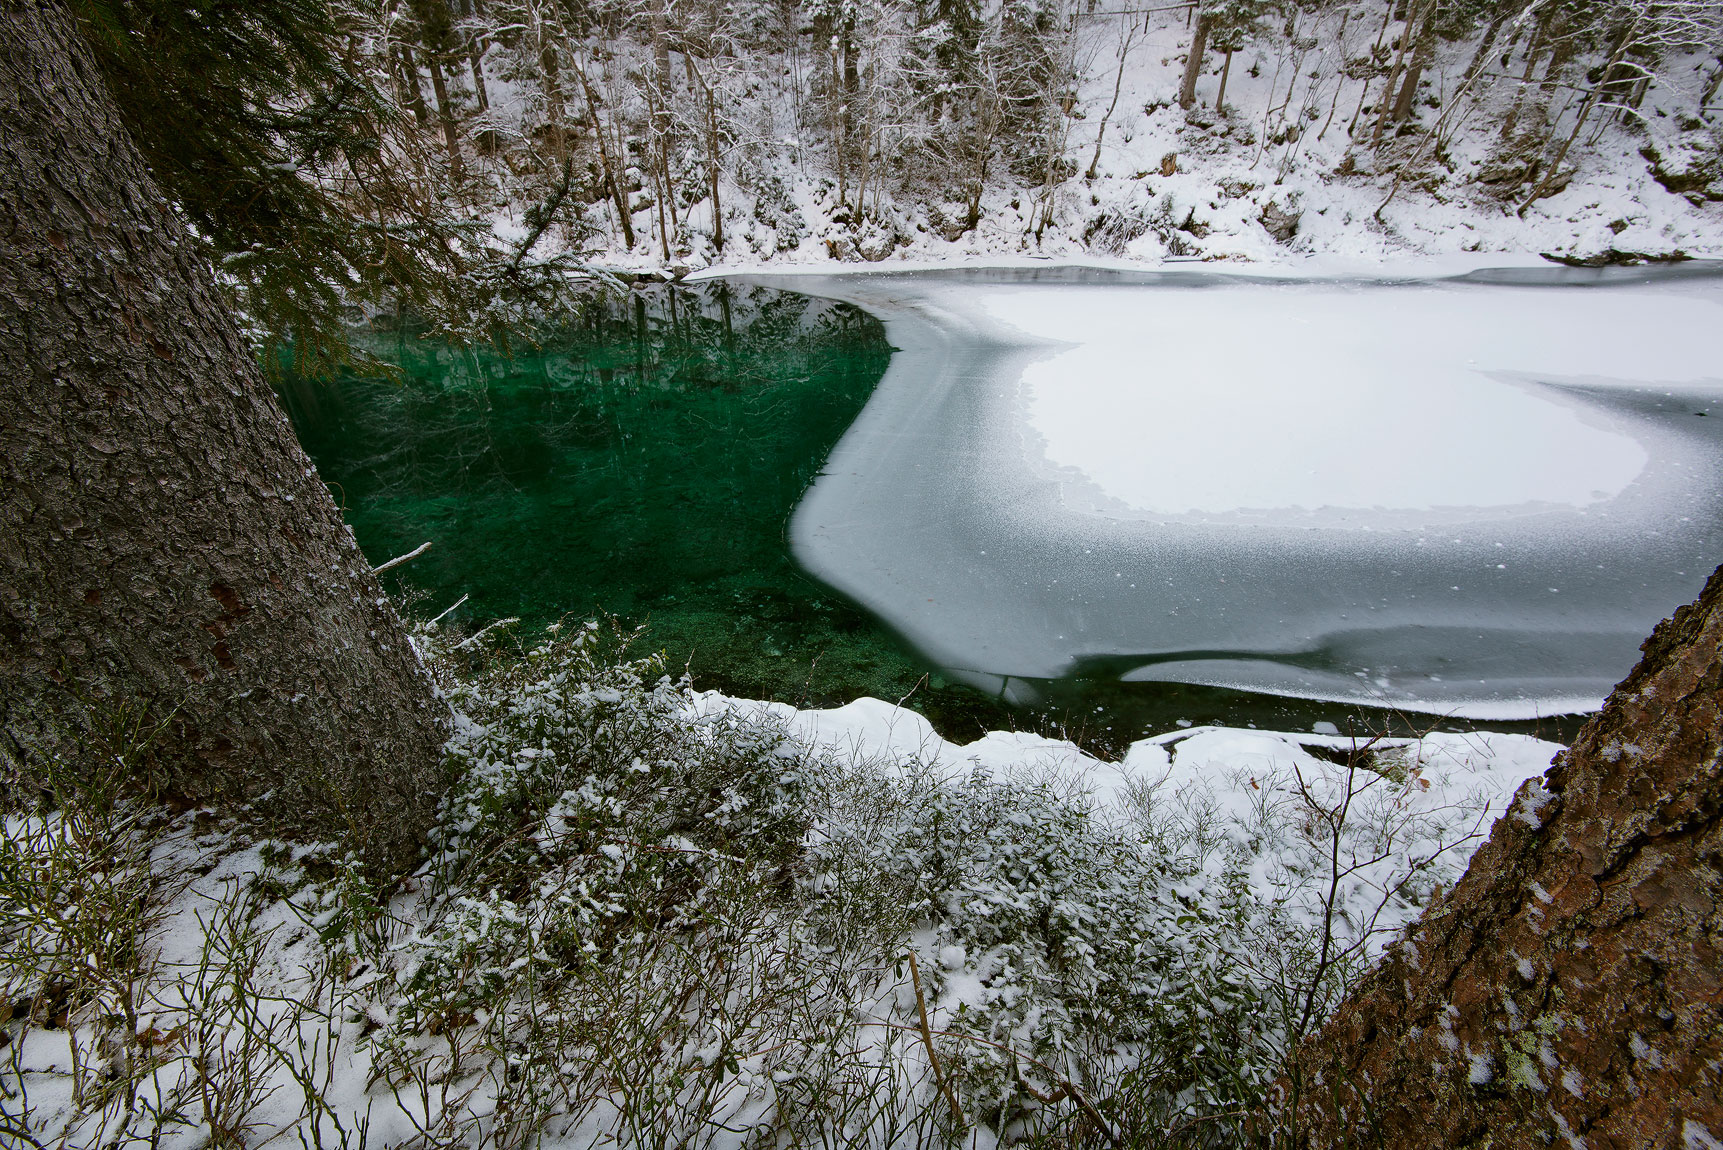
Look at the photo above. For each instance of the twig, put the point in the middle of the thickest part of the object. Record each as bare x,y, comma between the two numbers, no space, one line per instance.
477,635
407,558
540,216
927,1041
451,607
1068,1087
1135,11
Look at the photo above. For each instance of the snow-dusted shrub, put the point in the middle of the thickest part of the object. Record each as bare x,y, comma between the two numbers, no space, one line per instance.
604,851
613,851
1067,946
75,903
775,209
1114,226
574,747
654,917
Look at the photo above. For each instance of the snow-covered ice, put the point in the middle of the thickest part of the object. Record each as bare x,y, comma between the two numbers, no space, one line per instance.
1470,494
1340,396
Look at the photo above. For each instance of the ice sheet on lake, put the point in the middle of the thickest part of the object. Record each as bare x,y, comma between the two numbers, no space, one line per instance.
1317,397
1461,495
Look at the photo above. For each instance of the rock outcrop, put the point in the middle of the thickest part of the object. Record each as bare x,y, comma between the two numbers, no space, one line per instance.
1279,222
1569,990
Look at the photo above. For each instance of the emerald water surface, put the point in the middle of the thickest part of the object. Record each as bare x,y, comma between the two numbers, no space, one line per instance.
642,459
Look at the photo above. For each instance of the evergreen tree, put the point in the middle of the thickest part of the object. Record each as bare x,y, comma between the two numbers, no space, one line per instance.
267,124
167,552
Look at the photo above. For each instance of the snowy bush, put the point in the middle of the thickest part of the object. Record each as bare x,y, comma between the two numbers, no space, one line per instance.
656,917
1056,935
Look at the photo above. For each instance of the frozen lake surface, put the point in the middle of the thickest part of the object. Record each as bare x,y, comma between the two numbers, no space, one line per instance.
1472,495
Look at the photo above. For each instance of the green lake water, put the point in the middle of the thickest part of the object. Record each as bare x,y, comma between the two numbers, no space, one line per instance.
642,460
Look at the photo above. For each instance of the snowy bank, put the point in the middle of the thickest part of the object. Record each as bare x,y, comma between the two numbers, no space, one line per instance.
1429,798
653,916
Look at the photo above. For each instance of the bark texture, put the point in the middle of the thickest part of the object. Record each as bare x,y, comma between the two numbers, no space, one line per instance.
1194,61
164,540
1569,990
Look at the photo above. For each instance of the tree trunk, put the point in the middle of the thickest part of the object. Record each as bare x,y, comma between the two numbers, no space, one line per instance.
476,59
553,100
1571,985
855,158
1534,50
1339,85
446,115
164,542
410,89
1546,182
1126,37
1383,113
1484,45
661,194
714,157
663,89
1711,86
612,174
825,35
1194,62
1225,71
1420,60
1564,44
715,171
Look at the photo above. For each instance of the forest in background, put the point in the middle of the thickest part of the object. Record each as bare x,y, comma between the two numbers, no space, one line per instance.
479,144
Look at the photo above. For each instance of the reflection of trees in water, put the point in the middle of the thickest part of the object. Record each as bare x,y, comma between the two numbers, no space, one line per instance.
462,418
641,458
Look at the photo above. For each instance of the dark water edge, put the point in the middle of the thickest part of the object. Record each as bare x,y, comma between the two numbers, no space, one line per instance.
642,460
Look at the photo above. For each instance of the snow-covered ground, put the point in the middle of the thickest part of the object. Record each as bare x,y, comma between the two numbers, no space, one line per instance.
1444,793
1473,493
1172,185
268,1014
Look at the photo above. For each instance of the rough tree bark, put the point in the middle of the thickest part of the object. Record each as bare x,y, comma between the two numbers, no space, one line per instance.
1569,990
163,539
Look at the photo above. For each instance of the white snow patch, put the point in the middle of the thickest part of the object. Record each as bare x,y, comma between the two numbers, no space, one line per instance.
1533,799
1695,1136
1317,396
